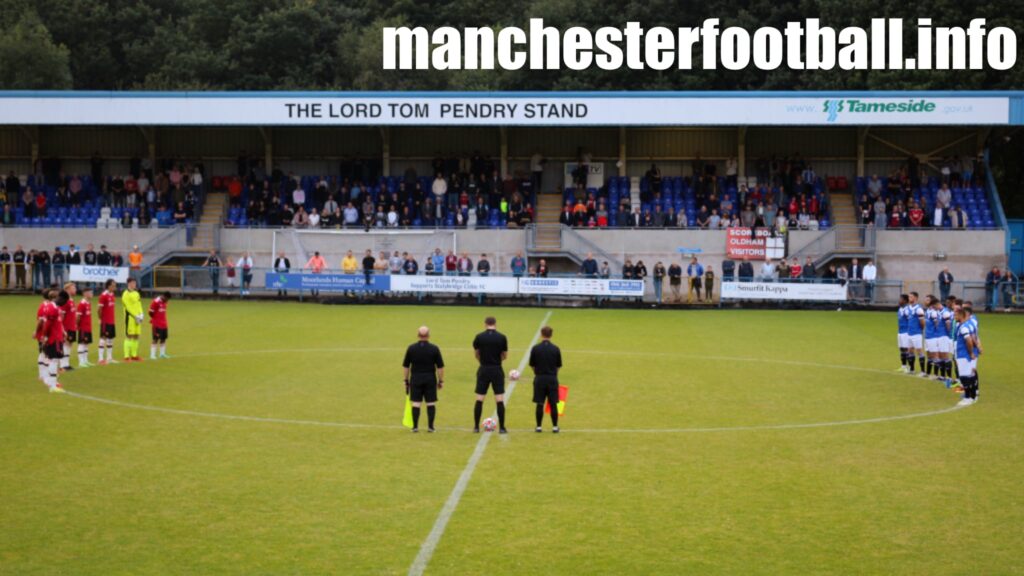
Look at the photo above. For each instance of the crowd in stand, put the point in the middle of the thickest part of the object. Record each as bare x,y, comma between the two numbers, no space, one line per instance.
144,196
787,194
955,199
460,192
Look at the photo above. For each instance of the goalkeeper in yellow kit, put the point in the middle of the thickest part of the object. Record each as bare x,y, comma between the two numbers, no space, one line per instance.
132,302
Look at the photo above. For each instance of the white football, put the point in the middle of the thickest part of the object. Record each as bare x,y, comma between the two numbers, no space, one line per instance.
513,375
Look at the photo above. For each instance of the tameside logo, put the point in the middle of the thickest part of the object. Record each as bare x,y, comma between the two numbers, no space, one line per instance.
854,106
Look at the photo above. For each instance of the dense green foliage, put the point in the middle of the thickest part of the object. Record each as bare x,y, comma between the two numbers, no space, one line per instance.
327,44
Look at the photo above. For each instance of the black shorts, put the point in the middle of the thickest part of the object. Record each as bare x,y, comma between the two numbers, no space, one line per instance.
545,388
54,351
70,336
85,337
108,331
423,389
490,377
160,334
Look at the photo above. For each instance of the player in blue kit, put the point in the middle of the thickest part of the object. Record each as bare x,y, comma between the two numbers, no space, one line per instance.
967,355
936,334
902,338
915,333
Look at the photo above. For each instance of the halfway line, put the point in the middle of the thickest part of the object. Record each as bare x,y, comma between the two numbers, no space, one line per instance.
430,544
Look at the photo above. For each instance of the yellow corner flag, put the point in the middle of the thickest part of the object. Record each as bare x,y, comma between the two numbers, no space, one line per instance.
407,417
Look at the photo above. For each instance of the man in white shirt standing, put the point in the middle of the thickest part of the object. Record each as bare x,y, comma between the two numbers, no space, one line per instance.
768,271
439,188
870,273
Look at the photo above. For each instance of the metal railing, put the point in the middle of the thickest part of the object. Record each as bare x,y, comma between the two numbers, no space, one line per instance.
569,242
849,239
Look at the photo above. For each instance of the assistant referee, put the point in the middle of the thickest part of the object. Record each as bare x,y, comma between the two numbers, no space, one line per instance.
546,360
491,349
424,376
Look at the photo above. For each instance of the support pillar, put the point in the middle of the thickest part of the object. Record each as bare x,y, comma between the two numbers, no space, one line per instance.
622,151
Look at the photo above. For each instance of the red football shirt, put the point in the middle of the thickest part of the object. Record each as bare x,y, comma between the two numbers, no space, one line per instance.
54,324
107,308
158,312
41,315
68,312
85,316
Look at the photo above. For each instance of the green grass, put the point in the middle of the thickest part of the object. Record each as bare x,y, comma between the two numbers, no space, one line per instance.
94,488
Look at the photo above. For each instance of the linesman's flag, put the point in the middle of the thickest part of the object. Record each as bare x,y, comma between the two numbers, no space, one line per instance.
563,396
407,417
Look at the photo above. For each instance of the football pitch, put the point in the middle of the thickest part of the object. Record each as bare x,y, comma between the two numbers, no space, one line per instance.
694,442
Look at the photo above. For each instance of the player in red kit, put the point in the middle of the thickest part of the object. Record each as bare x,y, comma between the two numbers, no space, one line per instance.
108,332
83,319
41,331
158,319
70,325
53,339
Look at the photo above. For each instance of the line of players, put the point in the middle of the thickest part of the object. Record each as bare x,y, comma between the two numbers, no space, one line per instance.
61,324
937,334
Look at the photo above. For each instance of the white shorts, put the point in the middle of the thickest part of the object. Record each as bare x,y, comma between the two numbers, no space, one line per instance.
965,367
914,341
945,345
903,340
933,345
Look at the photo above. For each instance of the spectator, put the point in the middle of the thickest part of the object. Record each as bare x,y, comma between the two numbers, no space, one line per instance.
349,264
875,186
301,219
41,265
104,258
437,262
5,268
589,266
746,271
945,283
395,263
870,275
768,271
451,264
518,265
245,266
627,270
810,272
943,197
483,266
542,268
728,270
57,262
135,258
916,215
20,261
675,282
314,218
879,210
212,264
299,196
659,278
537,162
1008,286
465,265
439,188
350,215
709,284
992,280
410,267
796,270
368,267
695,274
957,218
783,271
282,265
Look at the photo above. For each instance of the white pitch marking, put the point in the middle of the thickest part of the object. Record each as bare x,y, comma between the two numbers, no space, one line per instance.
430,544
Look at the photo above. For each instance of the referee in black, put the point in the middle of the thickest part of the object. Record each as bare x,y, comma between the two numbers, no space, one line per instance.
424,376
546,359
491,349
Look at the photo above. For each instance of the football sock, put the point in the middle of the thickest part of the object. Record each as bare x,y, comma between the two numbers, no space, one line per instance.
554,416
431,412
163,348
921,360
51,374
540,414
42,366
127,349
903,357
415,417
152,350
910,362
135,348
478,410
501,414
65,362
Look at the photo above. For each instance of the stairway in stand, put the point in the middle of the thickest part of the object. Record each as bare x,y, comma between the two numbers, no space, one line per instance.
549,207
844,215
206,229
